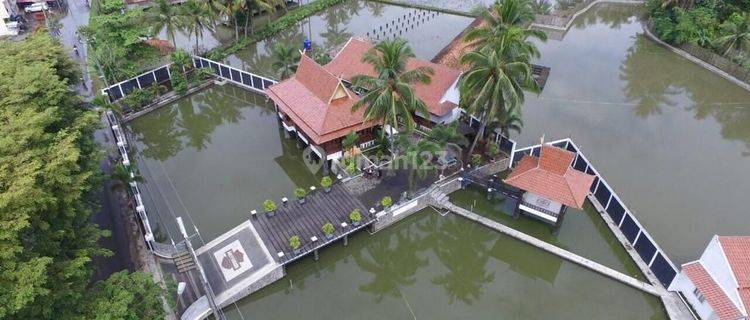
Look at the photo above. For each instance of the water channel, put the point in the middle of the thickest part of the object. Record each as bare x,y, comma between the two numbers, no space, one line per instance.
670,137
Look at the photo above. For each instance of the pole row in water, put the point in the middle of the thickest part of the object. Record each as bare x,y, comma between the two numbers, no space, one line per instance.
402,24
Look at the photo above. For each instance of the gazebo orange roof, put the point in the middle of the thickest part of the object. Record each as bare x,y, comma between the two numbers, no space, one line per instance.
348,63
551,176
318,103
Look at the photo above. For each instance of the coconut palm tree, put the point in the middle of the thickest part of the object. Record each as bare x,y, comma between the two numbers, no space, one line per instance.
736,34
166,17
510,120
196,17
390,94
285,59
445,134
493,85
507,22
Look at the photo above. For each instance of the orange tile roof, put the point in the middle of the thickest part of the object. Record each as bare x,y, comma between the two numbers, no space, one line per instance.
737,251
552,177
348,63
715,296
308,99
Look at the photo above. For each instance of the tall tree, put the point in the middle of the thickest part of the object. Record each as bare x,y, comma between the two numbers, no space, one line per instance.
48,165
285,59
196,17
493,85
166,17
126,296
390,94
735,33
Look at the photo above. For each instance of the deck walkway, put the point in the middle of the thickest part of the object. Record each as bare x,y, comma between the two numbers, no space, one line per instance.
306,221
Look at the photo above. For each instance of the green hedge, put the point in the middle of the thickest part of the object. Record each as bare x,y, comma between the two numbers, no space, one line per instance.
290,19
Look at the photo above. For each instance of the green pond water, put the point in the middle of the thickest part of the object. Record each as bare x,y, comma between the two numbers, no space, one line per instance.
672,138
330,29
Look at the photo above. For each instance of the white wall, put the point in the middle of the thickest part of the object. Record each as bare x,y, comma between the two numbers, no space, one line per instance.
716,264
453,94
682,284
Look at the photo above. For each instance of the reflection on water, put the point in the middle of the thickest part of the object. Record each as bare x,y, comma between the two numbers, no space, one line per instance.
670,136
331,28
212,157
434,267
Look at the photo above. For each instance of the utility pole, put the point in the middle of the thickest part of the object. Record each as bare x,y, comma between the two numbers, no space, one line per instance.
206,287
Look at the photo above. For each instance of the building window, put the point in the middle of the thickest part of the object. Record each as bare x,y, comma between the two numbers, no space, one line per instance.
699,295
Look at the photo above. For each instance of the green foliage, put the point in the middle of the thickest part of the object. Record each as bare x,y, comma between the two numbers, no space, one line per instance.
386,202
328,228
116,40
493,149
326,182
285,59
322,57
350,163
269,205
288,20
355,215
350,140
476,159
295,242
300,193
139,98
48,183
126,296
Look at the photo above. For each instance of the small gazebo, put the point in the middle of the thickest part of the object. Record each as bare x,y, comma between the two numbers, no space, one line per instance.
550,184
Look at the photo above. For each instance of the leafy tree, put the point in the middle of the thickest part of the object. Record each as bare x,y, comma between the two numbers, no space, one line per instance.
125,296
48,171
735,33
285,59
390,95
350,140
197,17
166,17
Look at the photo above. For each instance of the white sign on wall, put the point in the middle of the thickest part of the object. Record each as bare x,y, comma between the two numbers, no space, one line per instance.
232,260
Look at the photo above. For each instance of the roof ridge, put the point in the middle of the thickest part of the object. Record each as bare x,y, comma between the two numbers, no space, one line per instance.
738,307
565,176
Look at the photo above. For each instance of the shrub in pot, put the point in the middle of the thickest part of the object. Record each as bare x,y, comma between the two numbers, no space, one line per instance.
326,182
493,150
387,202
328,229
476,159
295,243
355,216
270,207
300,193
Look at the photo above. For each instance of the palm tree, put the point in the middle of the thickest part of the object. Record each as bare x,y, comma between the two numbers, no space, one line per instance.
196,17
285,59
736,34
493,86
445,134
390,95
165,16
510,120
121,176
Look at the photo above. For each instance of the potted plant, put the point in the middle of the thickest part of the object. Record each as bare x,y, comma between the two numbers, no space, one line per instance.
270,207
493,150
328,230
295,243
300,193
387,202
355,216
326,182
476,159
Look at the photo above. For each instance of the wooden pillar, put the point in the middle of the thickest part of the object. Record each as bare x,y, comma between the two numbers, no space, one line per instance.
346,240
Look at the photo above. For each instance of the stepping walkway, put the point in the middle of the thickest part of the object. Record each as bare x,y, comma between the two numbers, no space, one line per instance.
442,201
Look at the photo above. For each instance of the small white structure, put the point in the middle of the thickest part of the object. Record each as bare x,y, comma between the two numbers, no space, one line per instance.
718,284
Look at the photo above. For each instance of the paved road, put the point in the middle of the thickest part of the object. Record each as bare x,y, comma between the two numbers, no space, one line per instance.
76,15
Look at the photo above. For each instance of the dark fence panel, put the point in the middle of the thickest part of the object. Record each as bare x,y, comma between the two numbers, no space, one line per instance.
198,62
266,83
113,93
236,76
602,194
663,270
146,79
560,144
215,66
572,148
162,74
225,72
629,228
536,151
257,83
593,185
580,164
129,86
645,248
505,144
615,210
247,79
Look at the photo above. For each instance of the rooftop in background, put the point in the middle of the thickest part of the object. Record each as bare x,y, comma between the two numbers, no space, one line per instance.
348,63
551,176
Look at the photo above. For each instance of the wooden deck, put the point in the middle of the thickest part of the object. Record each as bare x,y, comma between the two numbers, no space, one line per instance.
306,221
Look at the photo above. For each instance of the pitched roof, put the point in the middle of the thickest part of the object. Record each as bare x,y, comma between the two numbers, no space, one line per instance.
318,103
715,296
348,63
551,176
737,251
